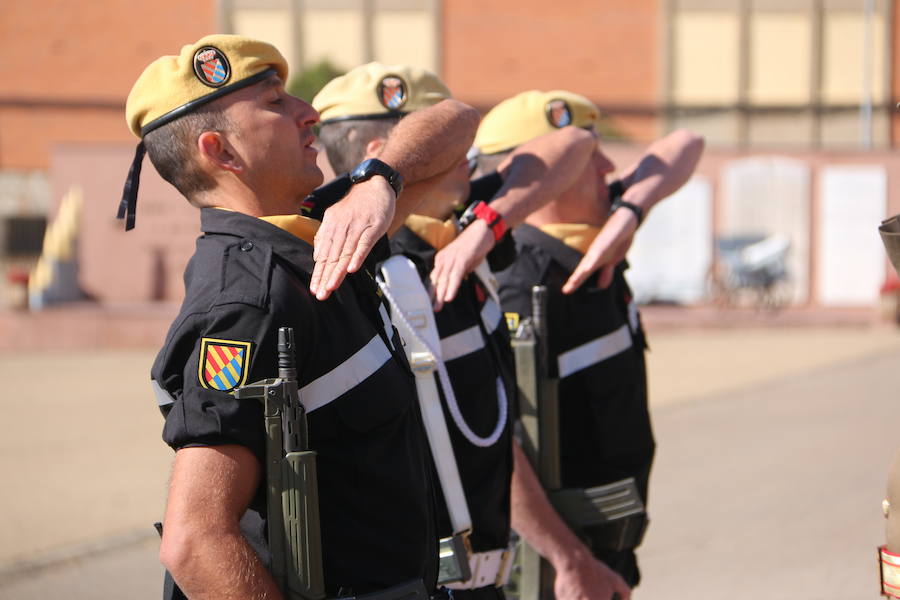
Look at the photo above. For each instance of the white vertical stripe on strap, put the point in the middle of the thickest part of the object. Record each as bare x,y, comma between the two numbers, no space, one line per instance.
633,316
469,340
595,351
388,326
345,376
490,315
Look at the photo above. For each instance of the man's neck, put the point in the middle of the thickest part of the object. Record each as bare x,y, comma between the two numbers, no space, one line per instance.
555,213
244,200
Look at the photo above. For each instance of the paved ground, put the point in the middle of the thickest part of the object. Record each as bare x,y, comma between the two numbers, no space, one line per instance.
773,446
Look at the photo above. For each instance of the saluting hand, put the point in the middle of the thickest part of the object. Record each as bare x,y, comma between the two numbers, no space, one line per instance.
348,233
606,251
459,258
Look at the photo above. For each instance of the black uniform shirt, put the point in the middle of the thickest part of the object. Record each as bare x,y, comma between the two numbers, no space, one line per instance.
476,350
246,279
596,348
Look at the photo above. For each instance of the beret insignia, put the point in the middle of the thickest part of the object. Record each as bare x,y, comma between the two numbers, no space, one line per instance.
211,67
558,113
392,92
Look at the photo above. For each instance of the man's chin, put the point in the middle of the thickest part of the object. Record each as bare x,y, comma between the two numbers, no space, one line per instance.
314,180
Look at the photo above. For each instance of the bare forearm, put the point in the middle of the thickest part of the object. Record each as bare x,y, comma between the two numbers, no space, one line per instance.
221,567
541,169
535,519
664,168
428,142
202,545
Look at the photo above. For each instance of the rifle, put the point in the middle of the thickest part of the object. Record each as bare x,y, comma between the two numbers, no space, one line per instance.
613,511
539,415
292,490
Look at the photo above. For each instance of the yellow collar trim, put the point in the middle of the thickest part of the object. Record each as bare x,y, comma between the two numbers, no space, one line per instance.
298,225
302,227
434,231
574,235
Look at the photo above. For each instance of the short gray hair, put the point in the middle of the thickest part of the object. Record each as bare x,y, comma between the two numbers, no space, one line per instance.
345,141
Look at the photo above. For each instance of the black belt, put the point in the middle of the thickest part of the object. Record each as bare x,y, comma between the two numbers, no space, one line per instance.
411,590
488,592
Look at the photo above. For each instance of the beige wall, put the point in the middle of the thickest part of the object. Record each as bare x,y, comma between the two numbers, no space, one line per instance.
762,94
405,37
273,25
780,58
706,54
336,35
400,33
843,53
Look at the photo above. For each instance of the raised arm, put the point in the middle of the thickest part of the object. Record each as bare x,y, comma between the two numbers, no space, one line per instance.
666,166
202,545
422,145
533,174
579,576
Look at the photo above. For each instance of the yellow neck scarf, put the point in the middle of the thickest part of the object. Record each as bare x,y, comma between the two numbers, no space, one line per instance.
434,231
298,225
302,227
574,235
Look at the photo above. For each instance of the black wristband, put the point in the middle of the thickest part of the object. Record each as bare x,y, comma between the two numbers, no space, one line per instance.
637,210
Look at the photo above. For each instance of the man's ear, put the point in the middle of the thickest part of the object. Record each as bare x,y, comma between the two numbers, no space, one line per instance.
374,147
217,152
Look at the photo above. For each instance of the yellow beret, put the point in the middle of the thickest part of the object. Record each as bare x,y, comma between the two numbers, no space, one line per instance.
172,86
375,91
531,114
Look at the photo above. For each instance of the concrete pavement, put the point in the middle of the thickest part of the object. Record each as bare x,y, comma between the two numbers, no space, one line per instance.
774,490
772,444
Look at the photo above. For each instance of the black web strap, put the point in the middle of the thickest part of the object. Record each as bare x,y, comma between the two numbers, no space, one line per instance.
128,204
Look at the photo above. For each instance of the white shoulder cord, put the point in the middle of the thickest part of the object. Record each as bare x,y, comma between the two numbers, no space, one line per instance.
502,402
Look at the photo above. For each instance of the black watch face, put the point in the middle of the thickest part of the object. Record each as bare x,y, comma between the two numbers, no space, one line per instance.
373,166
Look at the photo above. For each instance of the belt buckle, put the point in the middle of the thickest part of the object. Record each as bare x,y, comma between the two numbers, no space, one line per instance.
454,562
506,560
422,362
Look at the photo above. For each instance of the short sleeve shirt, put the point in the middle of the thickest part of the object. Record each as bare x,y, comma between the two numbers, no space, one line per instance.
595,348
246,279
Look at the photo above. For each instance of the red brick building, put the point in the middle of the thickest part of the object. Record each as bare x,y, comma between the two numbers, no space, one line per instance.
767,76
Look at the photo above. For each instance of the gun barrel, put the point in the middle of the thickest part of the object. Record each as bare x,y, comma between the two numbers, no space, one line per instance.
287,365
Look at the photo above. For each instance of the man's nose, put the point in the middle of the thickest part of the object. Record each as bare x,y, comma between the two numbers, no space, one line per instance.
307,116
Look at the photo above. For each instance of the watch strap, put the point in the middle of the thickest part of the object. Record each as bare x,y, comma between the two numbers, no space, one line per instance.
371,167
637,210
494,220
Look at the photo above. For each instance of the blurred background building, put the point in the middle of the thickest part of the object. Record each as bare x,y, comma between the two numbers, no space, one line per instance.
794,97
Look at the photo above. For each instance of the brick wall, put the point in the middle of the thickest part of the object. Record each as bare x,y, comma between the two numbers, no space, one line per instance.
606,50
66,68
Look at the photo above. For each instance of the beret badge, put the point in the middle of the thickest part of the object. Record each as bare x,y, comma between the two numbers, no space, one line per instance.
392,92
558,113
211,67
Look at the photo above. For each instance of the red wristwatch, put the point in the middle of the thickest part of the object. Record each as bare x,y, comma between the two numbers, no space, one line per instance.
493,219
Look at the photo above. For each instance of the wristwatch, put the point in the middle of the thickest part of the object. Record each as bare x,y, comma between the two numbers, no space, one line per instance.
371,167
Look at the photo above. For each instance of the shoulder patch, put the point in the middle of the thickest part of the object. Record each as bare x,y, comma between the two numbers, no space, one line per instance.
512,321
223,364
